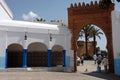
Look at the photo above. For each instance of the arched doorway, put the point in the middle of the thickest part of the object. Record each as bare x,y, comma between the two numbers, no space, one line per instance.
57,55
91,44
37,55
15,56
81,14
96,41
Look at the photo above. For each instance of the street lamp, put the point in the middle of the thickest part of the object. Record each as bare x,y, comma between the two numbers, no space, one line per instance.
25,37
50,35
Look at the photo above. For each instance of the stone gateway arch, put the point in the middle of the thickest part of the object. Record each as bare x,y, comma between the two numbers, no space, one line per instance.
83,14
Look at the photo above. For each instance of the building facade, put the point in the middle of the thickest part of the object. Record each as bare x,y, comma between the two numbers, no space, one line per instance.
116,40
30,44
81,50
81,14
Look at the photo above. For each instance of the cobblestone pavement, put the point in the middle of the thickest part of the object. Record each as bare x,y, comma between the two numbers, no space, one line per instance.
81,74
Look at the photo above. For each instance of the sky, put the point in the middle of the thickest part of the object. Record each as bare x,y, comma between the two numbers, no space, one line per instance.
46,9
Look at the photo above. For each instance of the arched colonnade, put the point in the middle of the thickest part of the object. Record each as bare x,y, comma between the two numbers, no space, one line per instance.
36,55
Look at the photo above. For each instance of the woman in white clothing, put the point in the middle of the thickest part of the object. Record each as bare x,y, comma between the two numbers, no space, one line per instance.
105,63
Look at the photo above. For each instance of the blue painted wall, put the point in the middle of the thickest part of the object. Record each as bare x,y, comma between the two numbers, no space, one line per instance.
117,66
2,62
67,61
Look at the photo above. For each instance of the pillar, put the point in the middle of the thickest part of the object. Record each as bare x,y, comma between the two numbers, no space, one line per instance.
6,58
25,51
25,58
64,58
49,58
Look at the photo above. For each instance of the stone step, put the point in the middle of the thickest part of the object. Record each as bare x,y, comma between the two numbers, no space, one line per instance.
15,69
26,69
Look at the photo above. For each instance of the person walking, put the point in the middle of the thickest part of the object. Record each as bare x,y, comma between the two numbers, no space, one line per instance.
82,59
99,60
95,58
105,63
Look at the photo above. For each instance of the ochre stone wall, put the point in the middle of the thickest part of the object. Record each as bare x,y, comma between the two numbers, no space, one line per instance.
83,14
81,50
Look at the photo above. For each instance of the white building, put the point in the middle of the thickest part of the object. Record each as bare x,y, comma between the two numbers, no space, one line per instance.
116,40
30,44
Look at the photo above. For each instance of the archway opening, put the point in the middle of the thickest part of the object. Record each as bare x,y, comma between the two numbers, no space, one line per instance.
15,56
79,15
91,41
57,55
37,55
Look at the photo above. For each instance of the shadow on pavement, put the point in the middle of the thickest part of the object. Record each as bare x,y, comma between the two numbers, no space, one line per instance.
103,75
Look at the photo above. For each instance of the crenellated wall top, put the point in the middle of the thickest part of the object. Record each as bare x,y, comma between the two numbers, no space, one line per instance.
75,5
85,8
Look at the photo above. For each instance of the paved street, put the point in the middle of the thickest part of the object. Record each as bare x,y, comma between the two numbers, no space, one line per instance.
89,65
81,74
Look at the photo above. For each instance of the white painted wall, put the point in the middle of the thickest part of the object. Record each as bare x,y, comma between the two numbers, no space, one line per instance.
2,43
2,49
116,33
116,40
3,14
63,39
37,37
15,37
57,39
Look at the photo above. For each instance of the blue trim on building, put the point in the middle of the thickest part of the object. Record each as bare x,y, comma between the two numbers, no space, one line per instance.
68,61
64,58
6,58
25,58
2,62
117,66
49,58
